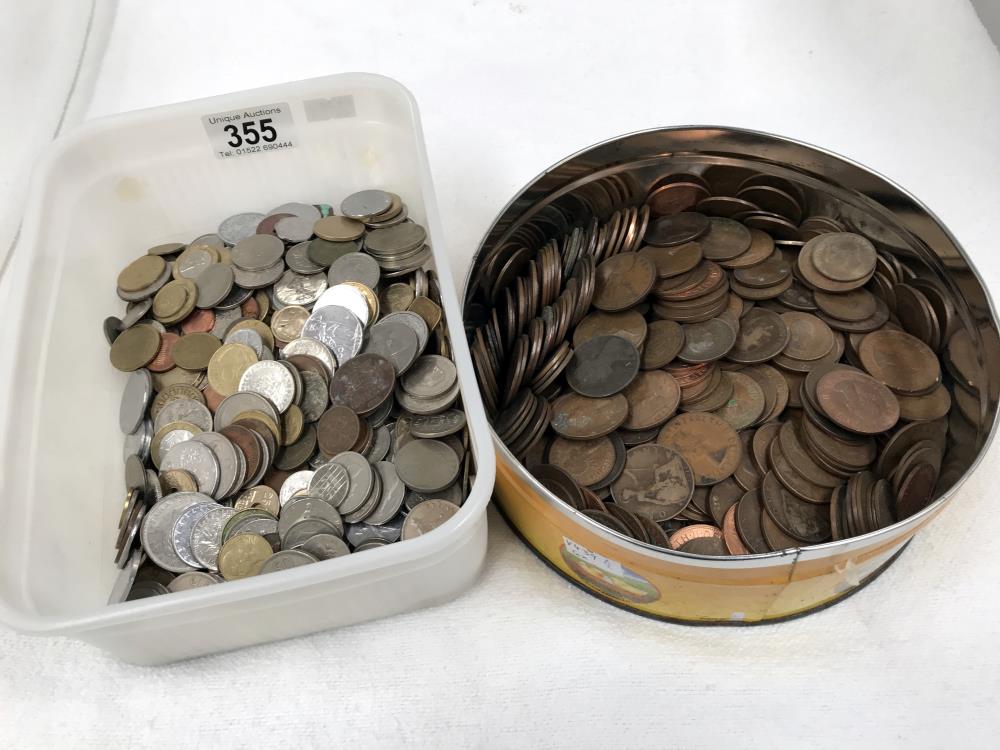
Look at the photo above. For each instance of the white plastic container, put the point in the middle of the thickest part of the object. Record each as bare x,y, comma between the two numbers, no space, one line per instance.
99,198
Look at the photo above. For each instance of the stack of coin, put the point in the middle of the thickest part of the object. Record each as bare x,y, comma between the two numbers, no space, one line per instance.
745,378
283,405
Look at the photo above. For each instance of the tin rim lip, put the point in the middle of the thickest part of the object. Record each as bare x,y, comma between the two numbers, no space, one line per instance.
828,548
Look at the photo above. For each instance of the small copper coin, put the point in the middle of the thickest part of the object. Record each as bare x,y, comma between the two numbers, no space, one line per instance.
602,366
901,361
748,523
807,522
363,383
589,462
857,402
695,531
725,239
581,418
164,359
673,261
763,335
623,281
734,545
664,340
200,321
708,443
337,430
653,398
656,482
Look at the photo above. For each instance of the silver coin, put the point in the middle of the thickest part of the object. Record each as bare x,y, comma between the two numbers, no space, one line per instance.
181,534
314,348
453,494
232,406
259,279
236,297
214,285
325,546
370,503
271,380
135,400
223,320
382,412
169,439
228,456
211,238
337,328
418,406
393,492
298,260
308,506
370,544
154,490
193,261
427,465
380,445
401,435
438,425
130,532
183,410
239,226
347,297
331,482
296,380
303,530
415,322
263,524
366,204
430,376
294,228
125,579
359,267
206,536
286,559
149,291
294,484
249,337
302,210
426,517
199,460
395,341
361,478
297,289
396,240
158,525
257,252
135,311
360,533
315,396
194,579
145,588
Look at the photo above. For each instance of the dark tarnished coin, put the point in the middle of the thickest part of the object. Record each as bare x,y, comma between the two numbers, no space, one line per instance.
725,239
902,362
916,490
338,430
664,340
673,261
857,402
623,281
768,273
762,335
363,383
602,366
581,418
745,404
708,545
656,482
925,408
677,229
589,462
653,398
721,497
843,256
807,522
630,325
809,337
853,306
707,341
708,444
748,523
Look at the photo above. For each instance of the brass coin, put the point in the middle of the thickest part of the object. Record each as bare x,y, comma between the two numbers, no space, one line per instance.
748,523
809,338
709,445
141,273
807,522
670,262
428,310
396,297
745,403
177,480
292,423
900,361
843,256
725,239
580,418
628,324
589,462
287,323
194,351
763,334
857,402
338,229
173,299
243,555
227,365
623,281
664,340
653,398
656,482
135,347
257,326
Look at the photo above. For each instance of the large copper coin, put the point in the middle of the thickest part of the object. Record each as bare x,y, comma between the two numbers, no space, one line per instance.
807,522
745,404
857,402
768,273
623,281
854,306
602,366
675,197
696,531
843,256
916,491
722,497
748,515
363,383
677,229
925,408
900,361
762,439
809,337
653,398
337,430
707,341
656,482
763,334
665,338
580,418
708,546
629,324
792,480
797,455
761,248
709,445
816,279
672,261
725,239
561,484
589,462
731,537
776,539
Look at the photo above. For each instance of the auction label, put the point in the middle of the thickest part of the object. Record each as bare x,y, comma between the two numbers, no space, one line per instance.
252,130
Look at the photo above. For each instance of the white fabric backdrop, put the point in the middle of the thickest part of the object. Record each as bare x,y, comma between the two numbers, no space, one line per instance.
911,89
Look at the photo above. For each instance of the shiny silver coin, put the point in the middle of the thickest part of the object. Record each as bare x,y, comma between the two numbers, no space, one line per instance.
239,226
426,517
359,267
346,296
297,289
248,337
392,495
223,320
337,328
206,536
301,531
232,468
302,507
293,485
366,204
135,400
425,406
138,441
135,311
233,406
272,380
286,559
381,444
360,480
360,533
294,229
413,321
183,410
181,534
214,284
438,425
158,525
194,579
430,376
126,577
198,460
312,348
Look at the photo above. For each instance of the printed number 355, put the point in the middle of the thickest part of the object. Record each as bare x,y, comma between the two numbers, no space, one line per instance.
250,134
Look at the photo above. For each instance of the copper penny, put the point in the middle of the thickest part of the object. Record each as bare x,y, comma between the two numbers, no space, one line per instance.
807,522
790,477
676,229
695,531
629,325
761,248
809,338
623,281
200,321
707,341
776,539
164,359
722,497
900,361
674,198
602,366
561,484
925,408
337,430
745,403
852,306
770,272
671,262
916,491
713,546
748,523
653,398
857,402
763,334
843,256
581,418
725,239
709,445
656,482
589,462
664,340
761,443
734,545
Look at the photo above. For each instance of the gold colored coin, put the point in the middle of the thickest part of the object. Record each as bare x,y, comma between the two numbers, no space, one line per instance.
370,299
396,297
171,299
292,423
177,376
135,347
254,325
338,229
178,480
227,366
427,309
286,323
195,350
242,556
141,273
264,420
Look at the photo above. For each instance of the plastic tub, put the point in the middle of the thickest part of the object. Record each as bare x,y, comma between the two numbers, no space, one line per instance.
100,196
759,588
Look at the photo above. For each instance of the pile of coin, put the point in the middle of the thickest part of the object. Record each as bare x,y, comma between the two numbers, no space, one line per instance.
284,404
718,372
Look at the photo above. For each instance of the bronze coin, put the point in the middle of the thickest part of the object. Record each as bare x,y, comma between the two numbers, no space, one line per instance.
243,438
673,198
631,521
848,457
793,449
135,347
852,306
807,522
672,262
792,480
925,408
656,482
676,229
900,361
843,256
761,248
812,276
629,325
722,497
725,239
768,273
164,359
916,491
709,546
731,537
761,443
580,418
363,383
763,334
917,316
561,484
748,523
798,297
589,462
857,402
195,350
708,444
623,281
602,366
707,341
714,398
745,403
652,398
607,520
773,200
657,536
696,531
776,539
725,205
592,501
337,430
871,323
761,293
746,475
775,388
664,340
809,338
